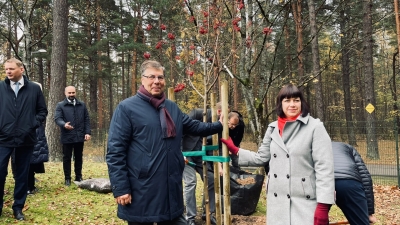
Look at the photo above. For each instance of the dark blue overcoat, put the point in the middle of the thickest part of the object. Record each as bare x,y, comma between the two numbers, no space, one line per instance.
146,165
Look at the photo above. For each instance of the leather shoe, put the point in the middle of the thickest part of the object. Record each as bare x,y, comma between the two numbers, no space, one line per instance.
79,179
213,220
18,215
34,191
67,182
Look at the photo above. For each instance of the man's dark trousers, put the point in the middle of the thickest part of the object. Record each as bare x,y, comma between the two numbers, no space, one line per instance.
22,164
350,198
77,149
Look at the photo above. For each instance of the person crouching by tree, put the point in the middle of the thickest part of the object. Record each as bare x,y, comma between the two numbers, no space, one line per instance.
353,185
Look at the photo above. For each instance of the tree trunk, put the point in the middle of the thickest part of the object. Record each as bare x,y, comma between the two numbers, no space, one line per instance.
369,95
296,8
100,97
58,78
316,62
346,74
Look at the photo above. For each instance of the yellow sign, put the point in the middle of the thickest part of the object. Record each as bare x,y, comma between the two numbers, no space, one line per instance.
370,108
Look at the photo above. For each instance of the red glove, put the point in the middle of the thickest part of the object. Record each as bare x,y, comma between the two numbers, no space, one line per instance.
321,215
231,147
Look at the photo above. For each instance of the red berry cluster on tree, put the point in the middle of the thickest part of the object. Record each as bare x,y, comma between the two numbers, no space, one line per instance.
171,36
146,55
193,61
235,23
149,27
190,73
248,43
163,27
179,87
241,4
202,30
267,30
159,45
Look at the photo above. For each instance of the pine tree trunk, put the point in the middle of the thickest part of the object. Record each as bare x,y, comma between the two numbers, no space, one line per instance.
346,74
369,95
316,62
58,75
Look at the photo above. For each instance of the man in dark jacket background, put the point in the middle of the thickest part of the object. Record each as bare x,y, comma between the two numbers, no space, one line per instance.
353,185
236,132
73,118
195,143
23,109
144,157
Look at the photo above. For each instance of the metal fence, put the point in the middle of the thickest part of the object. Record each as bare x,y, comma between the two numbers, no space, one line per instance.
385,169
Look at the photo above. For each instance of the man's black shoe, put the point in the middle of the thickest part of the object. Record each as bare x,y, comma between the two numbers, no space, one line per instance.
213,220
79,179
67,182
32,192
18,215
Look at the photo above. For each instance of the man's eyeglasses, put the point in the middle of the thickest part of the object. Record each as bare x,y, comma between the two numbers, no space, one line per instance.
153,77
232,124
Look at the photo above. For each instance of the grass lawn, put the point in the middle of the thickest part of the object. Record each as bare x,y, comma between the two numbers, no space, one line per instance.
58,204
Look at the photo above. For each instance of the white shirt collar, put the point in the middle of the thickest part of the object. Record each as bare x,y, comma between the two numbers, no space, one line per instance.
73,101
21,82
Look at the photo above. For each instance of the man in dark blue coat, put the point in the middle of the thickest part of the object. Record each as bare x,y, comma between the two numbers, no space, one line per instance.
22,110
73,118
144,157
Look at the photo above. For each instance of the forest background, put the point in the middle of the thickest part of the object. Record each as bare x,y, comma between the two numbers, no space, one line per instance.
343,54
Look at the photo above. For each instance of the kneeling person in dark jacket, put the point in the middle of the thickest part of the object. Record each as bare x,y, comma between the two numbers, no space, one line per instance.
353,185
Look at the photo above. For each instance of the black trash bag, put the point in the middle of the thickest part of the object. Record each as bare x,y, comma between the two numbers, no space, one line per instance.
245,191
100,185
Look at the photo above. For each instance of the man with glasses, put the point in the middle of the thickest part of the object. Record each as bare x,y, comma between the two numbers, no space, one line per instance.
236,131
144,157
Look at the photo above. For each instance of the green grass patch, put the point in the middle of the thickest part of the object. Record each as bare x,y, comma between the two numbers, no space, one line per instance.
57,204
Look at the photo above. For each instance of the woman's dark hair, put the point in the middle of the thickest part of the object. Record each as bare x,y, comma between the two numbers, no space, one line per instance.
291,91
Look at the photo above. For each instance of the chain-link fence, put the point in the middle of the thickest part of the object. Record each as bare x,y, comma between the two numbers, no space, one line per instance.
382,161
380,153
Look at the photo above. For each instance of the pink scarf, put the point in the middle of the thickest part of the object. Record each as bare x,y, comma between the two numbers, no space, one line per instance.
167,124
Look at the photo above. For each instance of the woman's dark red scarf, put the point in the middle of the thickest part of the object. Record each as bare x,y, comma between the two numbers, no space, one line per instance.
167,124
282,122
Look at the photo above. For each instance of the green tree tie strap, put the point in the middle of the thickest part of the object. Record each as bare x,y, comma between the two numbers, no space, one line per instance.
205,157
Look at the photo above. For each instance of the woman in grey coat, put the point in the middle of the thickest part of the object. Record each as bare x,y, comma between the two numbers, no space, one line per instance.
298,150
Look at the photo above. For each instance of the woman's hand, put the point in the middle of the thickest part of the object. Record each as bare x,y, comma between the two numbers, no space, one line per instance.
231,147
321,215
